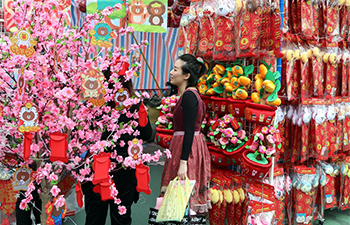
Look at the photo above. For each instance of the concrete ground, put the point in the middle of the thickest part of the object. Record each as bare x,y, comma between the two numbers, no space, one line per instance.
141,209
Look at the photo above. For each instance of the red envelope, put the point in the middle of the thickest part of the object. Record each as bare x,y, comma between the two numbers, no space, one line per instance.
27,141
79,195
143,120
101,165
143,179
58,145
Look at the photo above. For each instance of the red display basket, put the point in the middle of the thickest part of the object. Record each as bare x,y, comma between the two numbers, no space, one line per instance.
236,107
219,105
253,169
235,156
260,114
207,101
164,137
218,158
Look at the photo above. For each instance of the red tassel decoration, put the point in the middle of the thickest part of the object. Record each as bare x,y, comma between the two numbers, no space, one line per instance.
143,120
27,142
143,179
101,165
58,145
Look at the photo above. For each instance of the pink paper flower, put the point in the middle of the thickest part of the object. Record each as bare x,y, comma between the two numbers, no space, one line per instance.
117,201
55,190
227,119
60,202
271,138
23,204
223,141
260,136
272,130
270,150
241,134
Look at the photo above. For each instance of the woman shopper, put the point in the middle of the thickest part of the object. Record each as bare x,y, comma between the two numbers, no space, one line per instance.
190,155
124,179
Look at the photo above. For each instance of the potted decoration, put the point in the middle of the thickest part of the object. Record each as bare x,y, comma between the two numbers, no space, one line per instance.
256,161
226,88
264,101
164,123
229,138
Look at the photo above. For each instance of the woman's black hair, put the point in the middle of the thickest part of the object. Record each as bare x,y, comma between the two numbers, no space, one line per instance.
194,67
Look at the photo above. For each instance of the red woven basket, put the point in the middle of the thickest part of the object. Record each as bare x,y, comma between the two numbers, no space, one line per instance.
253,169
219,105
260,114
236,107
164,137
218,158
207,102
235,155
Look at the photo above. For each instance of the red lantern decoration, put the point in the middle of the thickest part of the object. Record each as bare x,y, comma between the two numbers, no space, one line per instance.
101,165
58,145
27,141
143,179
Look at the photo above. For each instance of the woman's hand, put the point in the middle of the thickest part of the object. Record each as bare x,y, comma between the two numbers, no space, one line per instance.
182,173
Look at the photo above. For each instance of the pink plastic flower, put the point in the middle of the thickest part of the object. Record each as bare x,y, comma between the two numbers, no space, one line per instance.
227,119
55,190
260,136
122,210
270,150
272,130
23,204
228,132
262,149
241,134
264,130
223,141
60,202
234,140
254,146
271,138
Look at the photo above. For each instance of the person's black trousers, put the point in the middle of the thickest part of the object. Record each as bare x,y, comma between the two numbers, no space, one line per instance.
96,210
23,216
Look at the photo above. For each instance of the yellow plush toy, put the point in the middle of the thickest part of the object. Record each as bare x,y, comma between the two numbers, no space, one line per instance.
267,85
228,196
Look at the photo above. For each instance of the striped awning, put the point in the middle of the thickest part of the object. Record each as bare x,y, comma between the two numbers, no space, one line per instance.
160,53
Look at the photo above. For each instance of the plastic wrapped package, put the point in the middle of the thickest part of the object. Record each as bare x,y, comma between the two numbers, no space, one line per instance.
320,118
191,28
332,112
280,119
265,32
315,19
331,26
279,181
344,197
344,17
318,78
286,17
306,89
328,191
293,72
295,16
260,213
346,125
288,134
275,29
305,183
344,68
306,131
224,35
306,19
331,61
339,135
248,40
182,41
297,134
206,32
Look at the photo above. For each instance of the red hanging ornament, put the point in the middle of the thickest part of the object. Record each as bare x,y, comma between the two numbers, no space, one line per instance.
27,141
79,194
143,179
143,120
58,145
101,166
105,191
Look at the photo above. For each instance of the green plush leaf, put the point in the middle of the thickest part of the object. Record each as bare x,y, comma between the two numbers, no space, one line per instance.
53,182
248,70
279,146
246,138
234,133
223,146
229,69
203,125
230,148
277,86
219,89
216,132
277,75
261,92
272,97
239,142
270,76
255,137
